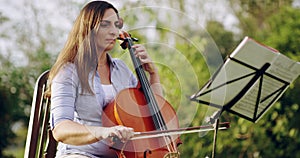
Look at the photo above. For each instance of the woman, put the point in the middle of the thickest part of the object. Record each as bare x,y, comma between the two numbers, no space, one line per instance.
85,78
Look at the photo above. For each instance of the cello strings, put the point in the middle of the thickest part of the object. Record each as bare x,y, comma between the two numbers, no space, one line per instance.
159,118
154,105
147,90
159,121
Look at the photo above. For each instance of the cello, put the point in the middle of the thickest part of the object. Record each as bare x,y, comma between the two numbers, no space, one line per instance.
144,111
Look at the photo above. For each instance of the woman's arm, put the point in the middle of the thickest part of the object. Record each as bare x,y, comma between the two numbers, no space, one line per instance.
70,132
63,94
155,83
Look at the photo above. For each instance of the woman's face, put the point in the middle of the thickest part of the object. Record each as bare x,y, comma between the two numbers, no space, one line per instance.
108,31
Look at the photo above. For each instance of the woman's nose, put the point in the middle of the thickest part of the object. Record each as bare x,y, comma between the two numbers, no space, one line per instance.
114,30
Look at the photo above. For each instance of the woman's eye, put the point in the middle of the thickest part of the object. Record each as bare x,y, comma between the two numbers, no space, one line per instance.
105,24
118,25
108,24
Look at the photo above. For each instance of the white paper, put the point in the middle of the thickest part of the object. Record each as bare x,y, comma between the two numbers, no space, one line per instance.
234,76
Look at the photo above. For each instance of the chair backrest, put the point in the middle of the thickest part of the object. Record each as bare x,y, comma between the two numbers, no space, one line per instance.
40,142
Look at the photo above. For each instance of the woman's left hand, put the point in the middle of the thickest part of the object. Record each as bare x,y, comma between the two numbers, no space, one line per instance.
146,61
149,66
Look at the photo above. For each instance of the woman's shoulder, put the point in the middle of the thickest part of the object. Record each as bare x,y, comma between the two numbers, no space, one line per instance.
116,60
68,70
119,63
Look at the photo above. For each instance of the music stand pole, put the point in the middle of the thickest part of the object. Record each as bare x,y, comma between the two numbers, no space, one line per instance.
215,137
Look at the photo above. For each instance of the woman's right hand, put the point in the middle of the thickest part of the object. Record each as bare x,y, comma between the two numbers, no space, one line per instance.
121,132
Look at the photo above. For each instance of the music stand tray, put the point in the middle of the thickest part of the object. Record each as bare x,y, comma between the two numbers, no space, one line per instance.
249,82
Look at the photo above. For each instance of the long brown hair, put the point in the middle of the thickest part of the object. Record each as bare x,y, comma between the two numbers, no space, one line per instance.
80,47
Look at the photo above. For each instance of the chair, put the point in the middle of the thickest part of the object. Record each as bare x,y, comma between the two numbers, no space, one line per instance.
40,142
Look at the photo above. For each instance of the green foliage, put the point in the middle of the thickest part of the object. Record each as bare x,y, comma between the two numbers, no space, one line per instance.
15,99
6,120
277,133
223,38
16,90
284,127
285,31
253,15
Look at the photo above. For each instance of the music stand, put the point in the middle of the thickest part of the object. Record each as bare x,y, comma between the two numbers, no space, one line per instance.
249,82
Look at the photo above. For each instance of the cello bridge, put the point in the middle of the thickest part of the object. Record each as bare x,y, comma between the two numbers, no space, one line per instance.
172,155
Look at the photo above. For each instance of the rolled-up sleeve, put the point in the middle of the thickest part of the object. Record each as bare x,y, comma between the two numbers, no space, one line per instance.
63,94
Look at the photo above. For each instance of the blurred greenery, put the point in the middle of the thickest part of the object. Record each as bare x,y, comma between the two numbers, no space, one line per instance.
185,57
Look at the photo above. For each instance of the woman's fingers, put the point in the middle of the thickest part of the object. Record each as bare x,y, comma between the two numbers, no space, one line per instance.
142,54
121,132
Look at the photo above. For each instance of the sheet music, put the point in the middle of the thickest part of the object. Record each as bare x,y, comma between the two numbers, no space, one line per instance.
281,67
239,69
247,104
256,55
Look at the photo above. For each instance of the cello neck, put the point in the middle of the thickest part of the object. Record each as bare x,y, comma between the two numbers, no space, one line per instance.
146,88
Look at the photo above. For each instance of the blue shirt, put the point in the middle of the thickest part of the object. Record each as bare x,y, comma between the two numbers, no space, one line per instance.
69,103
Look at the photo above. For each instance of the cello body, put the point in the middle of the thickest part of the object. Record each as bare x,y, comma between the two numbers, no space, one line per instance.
130,109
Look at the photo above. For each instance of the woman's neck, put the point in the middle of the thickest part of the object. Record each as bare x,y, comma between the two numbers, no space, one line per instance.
104,69
102,59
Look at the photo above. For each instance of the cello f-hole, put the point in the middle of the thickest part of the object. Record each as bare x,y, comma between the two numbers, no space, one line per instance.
145,153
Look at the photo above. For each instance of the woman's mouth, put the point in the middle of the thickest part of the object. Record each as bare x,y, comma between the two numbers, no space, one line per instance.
111,40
